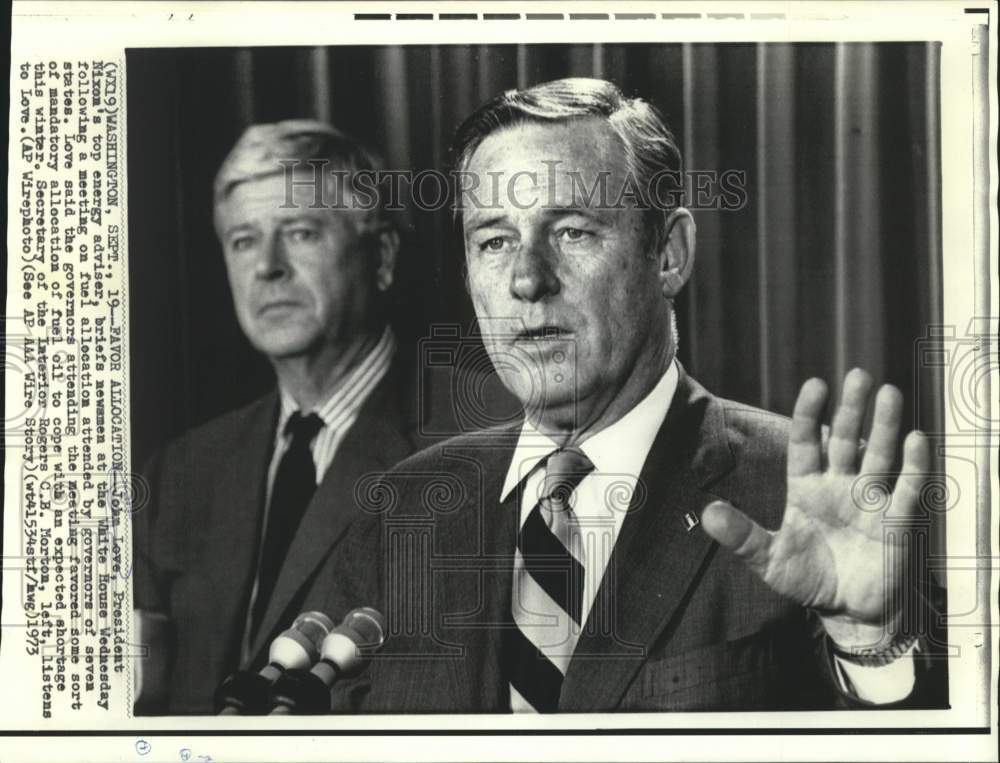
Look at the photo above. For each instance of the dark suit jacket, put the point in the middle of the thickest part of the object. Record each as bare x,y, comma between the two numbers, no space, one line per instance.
196,541
678,623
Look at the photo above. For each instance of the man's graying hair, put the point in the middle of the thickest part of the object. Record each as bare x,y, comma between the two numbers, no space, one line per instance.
307,145
650,146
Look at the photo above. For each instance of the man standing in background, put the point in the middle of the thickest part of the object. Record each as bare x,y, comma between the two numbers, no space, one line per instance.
246,508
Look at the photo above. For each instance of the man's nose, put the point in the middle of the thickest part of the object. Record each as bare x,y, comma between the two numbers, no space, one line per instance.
272,261
533,276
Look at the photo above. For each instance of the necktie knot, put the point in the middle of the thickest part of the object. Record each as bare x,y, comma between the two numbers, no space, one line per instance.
303,428
564,470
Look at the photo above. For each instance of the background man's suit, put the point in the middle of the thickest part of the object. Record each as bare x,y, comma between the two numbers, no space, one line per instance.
678,624
196,542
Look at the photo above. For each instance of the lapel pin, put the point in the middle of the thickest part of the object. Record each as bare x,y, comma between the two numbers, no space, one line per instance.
691,521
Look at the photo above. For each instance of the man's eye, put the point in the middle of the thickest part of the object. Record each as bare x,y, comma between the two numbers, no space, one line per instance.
241,243
574,234
302,235
495,244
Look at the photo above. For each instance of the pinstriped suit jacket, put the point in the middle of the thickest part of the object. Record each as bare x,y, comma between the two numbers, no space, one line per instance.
195,543
678,623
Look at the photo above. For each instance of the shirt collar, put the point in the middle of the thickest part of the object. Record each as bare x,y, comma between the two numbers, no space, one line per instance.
351,393
618,449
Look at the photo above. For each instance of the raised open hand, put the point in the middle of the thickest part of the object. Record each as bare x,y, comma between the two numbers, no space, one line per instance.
830,553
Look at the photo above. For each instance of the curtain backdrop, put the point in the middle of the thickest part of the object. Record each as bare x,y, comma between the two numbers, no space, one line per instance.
833,262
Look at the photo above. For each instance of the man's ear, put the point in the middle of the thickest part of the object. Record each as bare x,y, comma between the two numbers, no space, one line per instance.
677,253
386,249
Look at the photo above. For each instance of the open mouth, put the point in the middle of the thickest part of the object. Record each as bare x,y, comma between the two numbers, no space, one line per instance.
548,332
277,305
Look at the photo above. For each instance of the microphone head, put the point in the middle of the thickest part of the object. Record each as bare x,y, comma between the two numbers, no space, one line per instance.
299,646
314,626
363,627
367,623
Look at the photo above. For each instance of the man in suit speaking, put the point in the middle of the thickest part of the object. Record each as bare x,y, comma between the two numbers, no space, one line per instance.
245,509
636,543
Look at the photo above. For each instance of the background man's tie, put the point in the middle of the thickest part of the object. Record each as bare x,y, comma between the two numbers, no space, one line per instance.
547,592
294,485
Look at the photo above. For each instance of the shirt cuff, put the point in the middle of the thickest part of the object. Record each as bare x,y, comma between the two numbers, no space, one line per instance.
881,684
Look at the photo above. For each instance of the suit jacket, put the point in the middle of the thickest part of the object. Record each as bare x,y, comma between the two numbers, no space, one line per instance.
196,541
678,623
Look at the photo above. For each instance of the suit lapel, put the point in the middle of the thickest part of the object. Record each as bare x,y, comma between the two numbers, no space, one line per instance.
484,533
655,560
237,512
375,442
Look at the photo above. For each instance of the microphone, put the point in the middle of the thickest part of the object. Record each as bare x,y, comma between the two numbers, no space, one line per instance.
341,656
248,693
151,674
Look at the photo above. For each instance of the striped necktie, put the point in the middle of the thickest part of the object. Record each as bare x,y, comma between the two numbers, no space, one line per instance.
547,591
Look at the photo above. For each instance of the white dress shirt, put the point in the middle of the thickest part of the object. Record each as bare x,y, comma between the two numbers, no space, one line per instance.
338,412
602,498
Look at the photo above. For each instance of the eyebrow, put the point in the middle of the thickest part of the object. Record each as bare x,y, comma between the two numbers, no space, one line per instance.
489,222
549,210
298,217
552,210
237,228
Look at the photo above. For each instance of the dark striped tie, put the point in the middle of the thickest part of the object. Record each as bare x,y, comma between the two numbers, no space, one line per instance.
547,591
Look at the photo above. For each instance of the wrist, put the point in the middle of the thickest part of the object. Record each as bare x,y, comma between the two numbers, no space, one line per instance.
868,644
849,634
876,657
